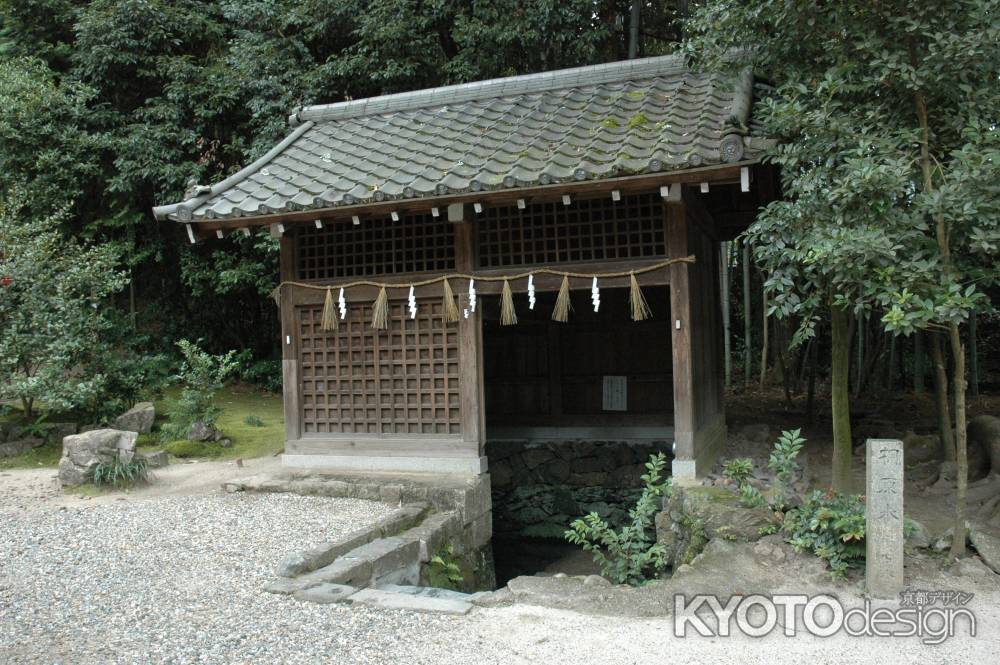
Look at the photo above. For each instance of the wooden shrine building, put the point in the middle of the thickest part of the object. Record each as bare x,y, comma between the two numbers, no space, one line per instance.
415,227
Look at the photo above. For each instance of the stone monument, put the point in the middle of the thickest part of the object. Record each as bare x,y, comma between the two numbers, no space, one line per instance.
884,518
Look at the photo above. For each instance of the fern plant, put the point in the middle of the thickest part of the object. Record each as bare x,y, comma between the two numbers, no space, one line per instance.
629,555
121,473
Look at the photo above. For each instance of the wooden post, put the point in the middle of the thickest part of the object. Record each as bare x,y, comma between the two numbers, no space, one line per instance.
680,325
289,344
470,339
747,338
724,293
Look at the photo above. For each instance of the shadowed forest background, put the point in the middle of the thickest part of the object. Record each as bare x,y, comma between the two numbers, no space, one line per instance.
113,106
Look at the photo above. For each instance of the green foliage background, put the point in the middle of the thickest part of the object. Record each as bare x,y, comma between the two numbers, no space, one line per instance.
109,107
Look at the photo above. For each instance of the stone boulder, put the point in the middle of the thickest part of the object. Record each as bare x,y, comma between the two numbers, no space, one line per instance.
138,419
83,452
984,432
987,544
202,431
18,446
697,515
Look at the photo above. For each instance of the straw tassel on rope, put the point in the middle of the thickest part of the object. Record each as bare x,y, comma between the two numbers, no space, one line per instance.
329,321
563,306
448,306
640,310
380,311
508,316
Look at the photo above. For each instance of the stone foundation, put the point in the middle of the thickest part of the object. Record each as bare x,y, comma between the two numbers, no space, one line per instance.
445,515
539,487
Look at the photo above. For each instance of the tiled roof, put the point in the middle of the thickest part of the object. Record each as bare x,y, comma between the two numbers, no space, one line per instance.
623,118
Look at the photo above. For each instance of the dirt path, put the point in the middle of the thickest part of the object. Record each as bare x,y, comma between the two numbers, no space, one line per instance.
36,489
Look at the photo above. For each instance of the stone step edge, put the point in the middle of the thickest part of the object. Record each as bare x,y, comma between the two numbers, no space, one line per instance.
363,565
403,518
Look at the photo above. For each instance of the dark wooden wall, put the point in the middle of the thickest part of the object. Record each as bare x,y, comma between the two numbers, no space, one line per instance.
538,371
546,373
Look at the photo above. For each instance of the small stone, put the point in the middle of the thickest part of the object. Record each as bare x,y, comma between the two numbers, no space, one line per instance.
595,580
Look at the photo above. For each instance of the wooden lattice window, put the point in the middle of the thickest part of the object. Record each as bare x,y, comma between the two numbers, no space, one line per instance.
378,246
358,380
586,230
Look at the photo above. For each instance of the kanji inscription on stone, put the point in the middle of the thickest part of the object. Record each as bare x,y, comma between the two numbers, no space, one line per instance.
884,517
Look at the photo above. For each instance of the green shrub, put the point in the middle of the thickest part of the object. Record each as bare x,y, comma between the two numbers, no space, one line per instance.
751,497
629,555
263,373
253,421
831,526
184,448
202,375
120,473
738,470
443,571
783,457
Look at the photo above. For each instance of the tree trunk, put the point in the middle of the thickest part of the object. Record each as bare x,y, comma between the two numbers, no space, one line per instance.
890,380
633,30
763,343
840,360
747,339
941,398
961,457
918,362
860,370
811,390
28,407
726,327
973,356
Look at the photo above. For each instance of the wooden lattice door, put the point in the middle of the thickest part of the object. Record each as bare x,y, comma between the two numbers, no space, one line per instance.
396,382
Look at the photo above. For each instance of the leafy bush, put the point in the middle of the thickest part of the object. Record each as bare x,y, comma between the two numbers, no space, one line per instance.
783,457
202,375
738,470
264,373
831,526
120,473
751,497
442,570
54,295
629,555
783,462
185,448
253,421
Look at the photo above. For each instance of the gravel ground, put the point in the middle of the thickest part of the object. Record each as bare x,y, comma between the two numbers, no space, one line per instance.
178,579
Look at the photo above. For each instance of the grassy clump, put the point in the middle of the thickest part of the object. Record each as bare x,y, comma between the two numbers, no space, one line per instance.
120,473
184,448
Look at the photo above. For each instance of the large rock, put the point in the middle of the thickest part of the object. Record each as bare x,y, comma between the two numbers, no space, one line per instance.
987,543
83,452
697,515
138,419
18,446
984,431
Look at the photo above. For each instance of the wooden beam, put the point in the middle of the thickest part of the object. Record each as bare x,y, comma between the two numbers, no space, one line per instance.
470,346
290,373
681,334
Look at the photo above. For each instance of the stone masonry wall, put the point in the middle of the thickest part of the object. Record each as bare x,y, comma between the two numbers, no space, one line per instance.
539,487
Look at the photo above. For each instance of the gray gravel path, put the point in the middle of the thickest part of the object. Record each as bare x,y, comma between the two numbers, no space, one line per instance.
178,579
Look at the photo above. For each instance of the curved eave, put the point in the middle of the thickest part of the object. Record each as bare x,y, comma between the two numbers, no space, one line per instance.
170,211
719,174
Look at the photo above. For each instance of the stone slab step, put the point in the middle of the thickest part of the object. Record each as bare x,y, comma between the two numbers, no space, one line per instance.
404,601
325,593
